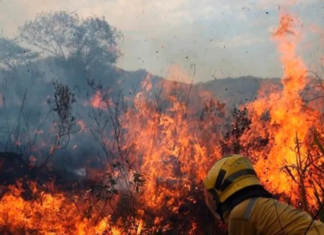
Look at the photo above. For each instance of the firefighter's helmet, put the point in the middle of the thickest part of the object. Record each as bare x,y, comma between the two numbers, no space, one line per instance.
227,176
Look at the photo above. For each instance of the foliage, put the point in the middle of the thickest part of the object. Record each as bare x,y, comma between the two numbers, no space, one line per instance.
64,119
67,36
13,55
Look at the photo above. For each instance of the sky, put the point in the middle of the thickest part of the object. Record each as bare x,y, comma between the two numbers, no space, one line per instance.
207,39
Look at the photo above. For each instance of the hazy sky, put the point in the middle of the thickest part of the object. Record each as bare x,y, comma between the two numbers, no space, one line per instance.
220,37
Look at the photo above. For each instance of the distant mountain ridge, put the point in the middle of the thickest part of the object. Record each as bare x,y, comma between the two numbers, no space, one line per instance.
40,74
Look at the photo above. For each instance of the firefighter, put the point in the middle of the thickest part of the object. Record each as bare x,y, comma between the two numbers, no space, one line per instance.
235,195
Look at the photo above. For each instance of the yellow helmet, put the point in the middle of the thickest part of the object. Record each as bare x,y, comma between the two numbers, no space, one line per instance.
227,176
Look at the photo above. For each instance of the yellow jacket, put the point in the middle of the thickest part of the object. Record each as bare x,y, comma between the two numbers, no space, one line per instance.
268,216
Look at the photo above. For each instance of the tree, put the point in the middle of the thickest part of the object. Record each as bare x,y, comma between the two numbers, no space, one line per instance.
67,36
12,54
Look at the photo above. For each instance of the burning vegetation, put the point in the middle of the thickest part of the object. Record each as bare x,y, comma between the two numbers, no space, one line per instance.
156,150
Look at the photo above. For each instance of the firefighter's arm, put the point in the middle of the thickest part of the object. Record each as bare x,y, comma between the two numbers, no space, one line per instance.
240,227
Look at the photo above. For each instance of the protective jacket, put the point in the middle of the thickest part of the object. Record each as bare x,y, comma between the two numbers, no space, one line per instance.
234,194
268,216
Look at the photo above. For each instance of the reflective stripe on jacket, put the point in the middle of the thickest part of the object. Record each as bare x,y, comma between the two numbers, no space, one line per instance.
268,216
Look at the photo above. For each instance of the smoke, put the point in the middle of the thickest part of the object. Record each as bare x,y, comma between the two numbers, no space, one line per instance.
29,123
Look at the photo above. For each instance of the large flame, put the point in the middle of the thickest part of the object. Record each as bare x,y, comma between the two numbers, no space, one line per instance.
286,118
48,214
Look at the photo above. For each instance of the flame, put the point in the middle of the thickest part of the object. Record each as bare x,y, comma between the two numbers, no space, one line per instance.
99,100
146,83
82,125
164,149
47,214
140,226
289,119
96,100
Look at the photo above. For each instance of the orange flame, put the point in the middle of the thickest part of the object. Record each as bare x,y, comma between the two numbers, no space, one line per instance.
289,119
47,214
96,101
